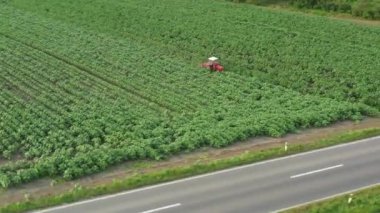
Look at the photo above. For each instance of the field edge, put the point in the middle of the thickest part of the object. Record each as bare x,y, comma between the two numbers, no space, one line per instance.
362,196
165,175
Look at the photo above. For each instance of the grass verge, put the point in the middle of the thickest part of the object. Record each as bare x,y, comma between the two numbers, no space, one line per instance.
366,200
165,175
362,10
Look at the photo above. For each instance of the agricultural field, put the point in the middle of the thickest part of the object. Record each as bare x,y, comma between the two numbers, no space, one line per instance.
90,84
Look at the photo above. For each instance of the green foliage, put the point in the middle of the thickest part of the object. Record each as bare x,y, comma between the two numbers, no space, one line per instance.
4,181
369,9
310,55
367,200
82,92
363,204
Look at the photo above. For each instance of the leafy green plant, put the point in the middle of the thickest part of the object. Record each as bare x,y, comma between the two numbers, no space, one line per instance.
80,93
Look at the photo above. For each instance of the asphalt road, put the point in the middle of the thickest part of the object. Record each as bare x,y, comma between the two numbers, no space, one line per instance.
262,187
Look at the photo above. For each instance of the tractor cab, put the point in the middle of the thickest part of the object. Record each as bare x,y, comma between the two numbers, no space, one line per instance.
213,64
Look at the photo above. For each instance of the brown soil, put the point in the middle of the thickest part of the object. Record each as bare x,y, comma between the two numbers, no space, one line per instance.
44,187
335,16
2,161
14,158
356,20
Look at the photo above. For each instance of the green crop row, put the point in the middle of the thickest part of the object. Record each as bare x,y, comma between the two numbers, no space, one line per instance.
76,99
170,174
311,55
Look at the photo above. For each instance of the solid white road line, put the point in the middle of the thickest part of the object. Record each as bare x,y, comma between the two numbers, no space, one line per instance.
316,171
367,140
326,198
162,208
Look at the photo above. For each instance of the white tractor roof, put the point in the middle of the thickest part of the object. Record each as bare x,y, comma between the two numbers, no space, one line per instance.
213,58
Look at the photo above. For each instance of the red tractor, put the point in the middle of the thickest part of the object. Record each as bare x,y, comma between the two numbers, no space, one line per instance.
213,65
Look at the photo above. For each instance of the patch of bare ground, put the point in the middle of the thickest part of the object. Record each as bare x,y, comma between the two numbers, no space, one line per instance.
330,15
355,20
17,157
45,187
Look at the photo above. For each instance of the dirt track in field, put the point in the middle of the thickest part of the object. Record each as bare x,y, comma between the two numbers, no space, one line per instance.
43,187
335,16
360,21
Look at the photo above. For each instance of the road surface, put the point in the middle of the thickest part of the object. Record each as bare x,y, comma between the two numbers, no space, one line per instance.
262,187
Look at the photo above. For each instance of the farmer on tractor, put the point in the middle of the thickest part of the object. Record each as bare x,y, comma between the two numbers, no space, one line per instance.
213,64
